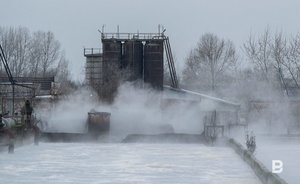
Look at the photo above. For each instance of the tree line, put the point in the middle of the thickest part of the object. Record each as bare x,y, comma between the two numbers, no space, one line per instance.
33,54
272,59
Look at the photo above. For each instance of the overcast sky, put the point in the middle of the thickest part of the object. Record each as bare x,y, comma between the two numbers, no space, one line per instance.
75,22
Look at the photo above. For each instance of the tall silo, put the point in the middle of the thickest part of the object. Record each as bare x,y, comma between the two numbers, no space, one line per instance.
133,58
112,51
153,63
112,54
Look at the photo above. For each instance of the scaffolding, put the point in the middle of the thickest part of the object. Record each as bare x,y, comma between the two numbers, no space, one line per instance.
93,67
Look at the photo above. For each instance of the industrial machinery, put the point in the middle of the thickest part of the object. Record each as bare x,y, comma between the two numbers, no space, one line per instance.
131,57
97,123
15,127
6,135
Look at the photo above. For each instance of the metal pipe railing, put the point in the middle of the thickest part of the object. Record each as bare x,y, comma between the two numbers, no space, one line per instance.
91,51
132,35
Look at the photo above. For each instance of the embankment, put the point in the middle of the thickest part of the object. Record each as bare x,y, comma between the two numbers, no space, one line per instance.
260,170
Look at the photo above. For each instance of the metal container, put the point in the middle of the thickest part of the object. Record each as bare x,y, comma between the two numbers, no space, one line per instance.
112,54
98,122
133,58
153,63
112,50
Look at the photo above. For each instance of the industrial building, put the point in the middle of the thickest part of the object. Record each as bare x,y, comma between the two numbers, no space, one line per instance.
140,57
28,88
128,57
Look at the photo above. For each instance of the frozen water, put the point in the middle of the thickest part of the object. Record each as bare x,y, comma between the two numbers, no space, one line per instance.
124,163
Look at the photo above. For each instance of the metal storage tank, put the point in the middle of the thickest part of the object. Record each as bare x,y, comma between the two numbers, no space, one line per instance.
98,122
112,53
153,63
133,58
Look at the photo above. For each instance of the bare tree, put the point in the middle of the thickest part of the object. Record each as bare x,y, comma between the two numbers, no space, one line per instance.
292,58
50,51
280,54
212,58
259,53
16,44
29,55
276,58
45,52
33,55
62,71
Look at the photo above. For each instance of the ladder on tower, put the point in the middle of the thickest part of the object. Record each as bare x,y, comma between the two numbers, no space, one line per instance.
170,61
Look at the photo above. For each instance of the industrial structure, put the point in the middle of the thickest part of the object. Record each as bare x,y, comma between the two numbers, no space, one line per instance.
129,57
12,100
12,125
140,57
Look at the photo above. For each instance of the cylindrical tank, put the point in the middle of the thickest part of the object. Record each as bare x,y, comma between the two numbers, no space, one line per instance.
112,51
153,63
133,58
98,122
112,54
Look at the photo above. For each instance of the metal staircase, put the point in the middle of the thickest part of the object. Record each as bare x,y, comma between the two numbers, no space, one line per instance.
170,61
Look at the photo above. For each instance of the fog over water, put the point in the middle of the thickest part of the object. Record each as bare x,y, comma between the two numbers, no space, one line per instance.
286,149
134,110
124,163
271,113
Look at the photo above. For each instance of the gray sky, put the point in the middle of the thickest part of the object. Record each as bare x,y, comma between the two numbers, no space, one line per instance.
75,22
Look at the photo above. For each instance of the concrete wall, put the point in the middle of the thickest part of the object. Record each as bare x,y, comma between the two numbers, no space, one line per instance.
260,170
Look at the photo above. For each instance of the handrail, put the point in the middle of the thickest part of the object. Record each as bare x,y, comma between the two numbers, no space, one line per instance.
170,61
91,51
132,36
